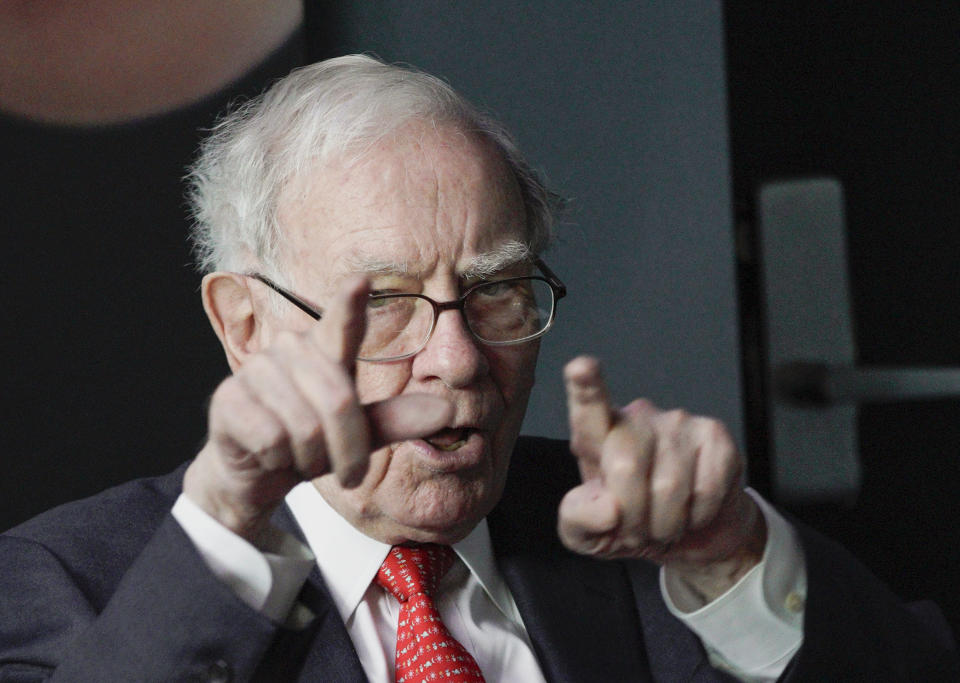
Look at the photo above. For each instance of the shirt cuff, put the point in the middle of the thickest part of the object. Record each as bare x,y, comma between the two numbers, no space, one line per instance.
266,579
755,628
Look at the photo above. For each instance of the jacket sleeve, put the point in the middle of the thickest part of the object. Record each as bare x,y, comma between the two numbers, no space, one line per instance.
856,629
168,617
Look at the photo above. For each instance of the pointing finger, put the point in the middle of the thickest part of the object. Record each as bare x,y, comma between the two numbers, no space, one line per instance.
342,327
590,412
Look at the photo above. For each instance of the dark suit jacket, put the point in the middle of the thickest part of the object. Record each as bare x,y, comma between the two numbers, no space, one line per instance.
111,589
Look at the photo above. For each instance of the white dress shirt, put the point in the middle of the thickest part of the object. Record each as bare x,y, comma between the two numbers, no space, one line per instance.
475,604
751,631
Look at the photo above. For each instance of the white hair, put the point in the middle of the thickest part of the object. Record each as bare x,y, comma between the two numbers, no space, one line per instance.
318,112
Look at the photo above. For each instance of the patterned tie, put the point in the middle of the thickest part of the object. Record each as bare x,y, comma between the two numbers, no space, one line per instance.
425,649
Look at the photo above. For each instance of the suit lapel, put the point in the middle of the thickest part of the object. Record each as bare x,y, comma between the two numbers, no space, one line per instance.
332,656
580,627
324,646
584,627
578,612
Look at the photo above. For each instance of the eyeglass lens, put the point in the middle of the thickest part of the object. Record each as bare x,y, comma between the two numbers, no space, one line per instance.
497,312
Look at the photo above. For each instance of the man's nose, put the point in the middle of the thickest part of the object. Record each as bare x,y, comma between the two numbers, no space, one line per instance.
452,354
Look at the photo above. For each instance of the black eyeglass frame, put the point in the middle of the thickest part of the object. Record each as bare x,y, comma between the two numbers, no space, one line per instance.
556,286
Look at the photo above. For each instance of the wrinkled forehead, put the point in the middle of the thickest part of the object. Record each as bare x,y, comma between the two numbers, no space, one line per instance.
430,198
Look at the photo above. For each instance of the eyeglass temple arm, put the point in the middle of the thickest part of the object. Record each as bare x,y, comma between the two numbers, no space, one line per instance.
289,296
551,278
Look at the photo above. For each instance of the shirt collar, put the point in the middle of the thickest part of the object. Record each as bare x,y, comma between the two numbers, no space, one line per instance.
350,570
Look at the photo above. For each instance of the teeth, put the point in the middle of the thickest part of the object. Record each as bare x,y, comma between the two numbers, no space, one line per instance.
449,439
452,447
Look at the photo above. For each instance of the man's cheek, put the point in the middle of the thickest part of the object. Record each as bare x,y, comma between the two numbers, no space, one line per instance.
379,381
515,369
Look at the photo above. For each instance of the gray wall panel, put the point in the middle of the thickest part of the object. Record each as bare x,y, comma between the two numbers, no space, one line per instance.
623,105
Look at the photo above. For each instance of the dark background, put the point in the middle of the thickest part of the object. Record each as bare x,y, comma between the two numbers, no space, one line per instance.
869,93
108,359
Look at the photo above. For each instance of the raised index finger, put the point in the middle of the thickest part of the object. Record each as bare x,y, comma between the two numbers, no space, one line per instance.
341,329
590,412
337,336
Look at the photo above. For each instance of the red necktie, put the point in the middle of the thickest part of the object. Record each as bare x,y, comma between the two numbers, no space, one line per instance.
425,649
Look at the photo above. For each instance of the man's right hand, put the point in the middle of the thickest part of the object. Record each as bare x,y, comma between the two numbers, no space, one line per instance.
291,413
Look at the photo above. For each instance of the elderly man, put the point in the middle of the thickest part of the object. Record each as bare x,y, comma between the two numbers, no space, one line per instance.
372,247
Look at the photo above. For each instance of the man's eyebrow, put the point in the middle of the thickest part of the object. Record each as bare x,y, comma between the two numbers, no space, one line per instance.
479,267
492,262
368,265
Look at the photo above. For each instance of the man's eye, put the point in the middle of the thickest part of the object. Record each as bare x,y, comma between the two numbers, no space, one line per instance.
497,288
379,302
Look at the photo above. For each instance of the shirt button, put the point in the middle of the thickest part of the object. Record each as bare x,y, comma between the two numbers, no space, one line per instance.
794,602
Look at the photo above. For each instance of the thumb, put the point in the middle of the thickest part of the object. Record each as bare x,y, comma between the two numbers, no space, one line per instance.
587,518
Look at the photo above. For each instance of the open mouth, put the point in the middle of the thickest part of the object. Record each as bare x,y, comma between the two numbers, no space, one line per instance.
449,439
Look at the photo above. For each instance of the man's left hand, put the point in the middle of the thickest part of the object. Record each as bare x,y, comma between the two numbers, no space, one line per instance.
661,485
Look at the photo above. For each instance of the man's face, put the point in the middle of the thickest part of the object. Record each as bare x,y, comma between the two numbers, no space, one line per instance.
418,214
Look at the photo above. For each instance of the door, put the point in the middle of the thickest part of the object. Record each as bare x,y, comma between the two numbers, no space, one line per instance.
865,96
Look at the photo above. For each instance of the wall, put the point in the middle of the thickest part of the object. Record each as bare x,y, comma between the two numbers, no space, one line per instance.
624,108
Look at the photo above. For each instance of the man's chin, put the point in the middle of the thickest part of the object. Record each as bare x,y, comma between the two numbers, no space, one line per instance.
444,534
419,493
446,517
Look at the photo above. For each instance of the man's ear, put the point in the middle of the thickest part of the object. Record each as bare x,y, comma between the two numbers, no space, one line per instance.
228,302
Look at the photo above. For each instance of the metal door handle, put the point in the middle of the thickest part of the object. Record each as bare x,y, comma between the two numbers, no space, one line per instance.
814,383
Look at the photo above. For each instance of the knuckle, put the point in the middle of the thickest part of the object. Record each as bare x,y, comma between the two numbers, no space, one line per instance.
709,490
305,430
708,498
671,488
717,432
644,405
631,539
267,434
579,445
229,406
228,392
643,438
589,394
730,461
621,466
675,419
716,436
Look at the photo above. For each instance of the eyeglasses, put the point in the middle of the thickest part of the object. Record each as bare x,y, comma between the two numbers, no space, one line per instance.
497,313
